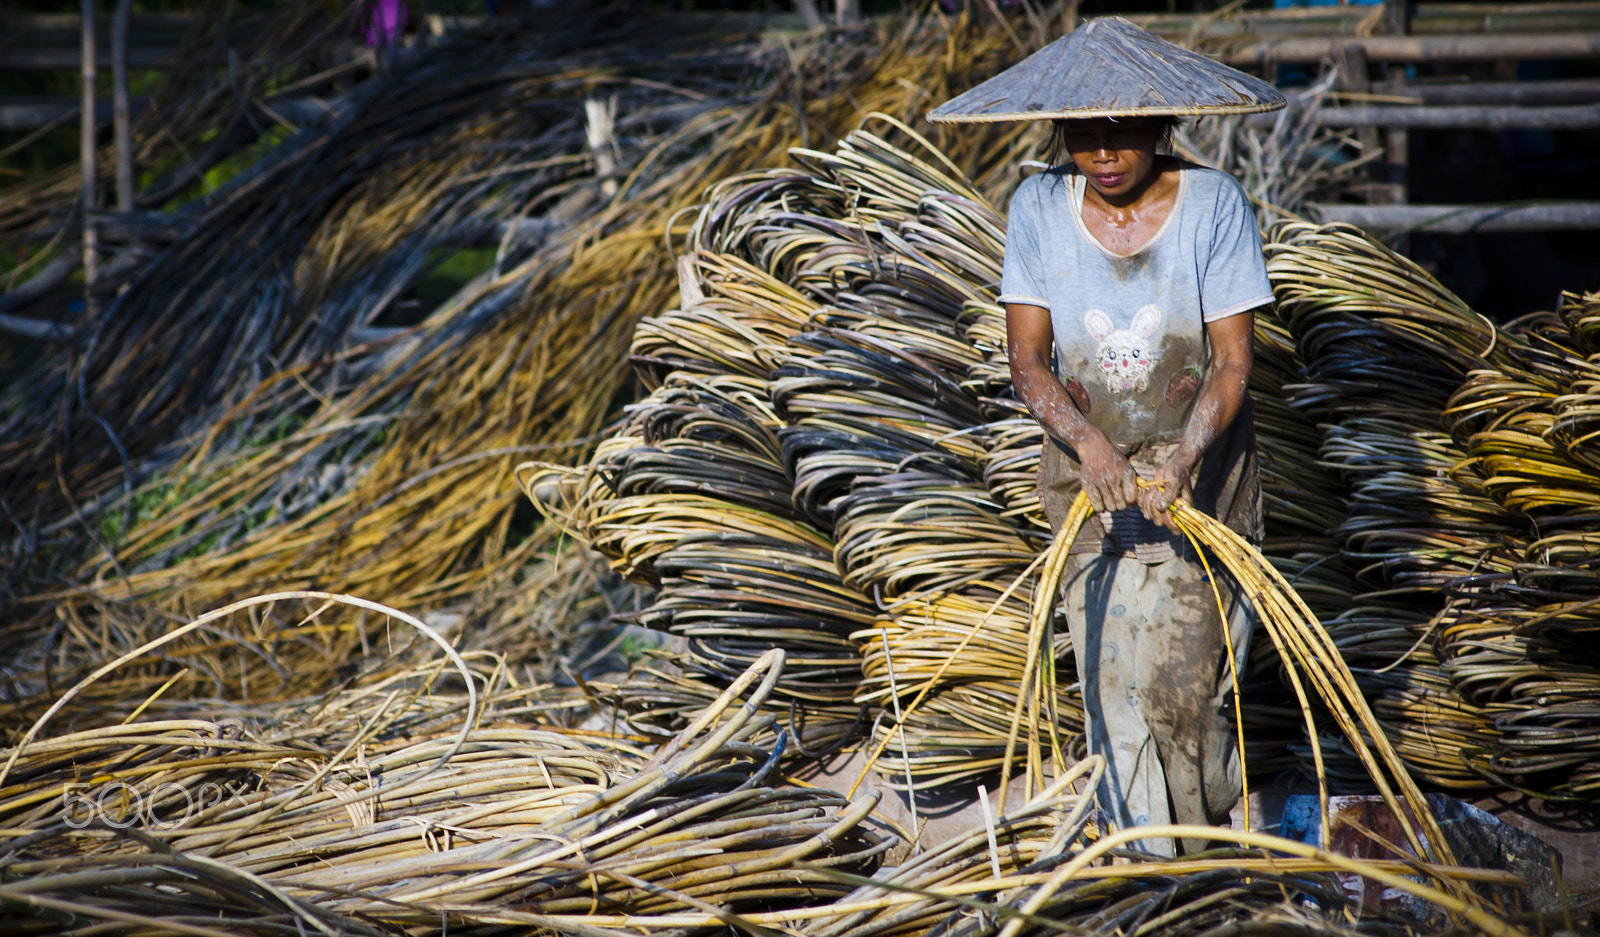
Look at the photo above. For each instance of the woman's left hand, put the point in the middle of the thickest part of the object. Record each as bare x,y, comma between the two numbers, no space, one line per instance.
1170,485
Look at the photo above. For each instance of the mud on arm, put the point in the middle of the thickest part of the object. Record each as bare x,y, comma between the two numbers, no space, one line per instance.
1107,477
1232,342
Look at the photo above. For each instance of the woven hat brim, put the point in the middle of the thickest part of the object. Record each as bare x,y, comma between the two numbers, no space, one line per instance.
1110,67
1084,114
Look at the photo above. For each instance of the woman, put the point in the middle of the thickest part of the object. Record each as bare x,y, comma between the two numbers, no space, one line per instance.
1129,284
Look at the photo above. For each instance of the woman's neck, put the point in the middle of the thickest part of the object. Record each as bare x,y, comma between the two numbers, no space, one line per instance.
1157,185
1128,224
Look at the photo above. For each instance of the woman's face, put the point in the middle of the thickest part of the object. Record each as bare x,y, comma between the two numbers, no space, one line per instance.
1116,156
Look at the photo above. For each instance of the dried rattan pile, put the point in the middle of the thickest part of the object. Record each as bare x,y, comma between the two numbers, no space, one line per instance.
867,348
295,439
403,803
449,799
1515,638
1469,512
806,473
294,443
829,459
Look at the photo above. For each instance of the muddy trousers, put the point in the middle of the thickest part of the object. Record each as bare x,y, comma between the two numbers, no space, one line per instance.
1157,692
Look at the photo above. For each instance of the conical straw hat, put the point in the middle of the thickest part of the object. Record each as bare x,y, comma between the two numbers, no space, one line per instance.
1110,68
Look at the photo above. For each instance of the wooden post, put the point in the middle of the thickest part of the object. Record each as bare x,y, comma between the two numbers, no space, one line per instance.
809,13
1396,17
86,157
600,118
1354,78
849,12
1397,140
121,119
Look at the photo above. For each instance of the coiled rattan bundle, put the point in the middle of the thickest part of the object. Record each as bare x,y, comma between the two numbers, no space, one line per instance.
1471,514
842,294
1383,345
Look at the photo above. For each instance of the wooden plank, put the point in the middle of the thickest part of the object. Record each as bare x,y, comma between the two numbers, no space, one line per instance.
28,58
1463,48
1560,91
33,112
54,30
1467,219
52,41
1346,20
1422,117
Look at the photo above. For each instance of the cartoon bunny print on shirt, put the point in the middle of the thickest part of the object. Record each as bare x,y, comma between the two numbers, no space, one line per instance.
1125,356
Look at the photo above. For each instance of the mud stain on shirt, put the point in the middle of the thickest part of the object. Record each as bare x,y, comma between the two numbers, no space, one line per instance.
1129,268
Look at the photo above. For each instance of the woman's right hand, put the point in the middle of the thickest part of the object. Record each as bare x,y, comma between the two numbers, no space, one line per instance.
1106,475
1107,478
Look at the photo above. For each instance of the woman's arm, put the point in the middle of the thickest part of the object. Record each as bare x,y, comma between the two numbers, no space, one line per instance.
1232,343
1107,478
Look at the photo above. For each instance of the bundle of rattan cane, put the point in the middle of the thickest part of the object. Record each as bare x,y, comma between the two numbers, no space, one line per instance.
1312,658
1445,496
1014,439
738,326
958,731
1514,639
859,407
1412,518
1577,416
692,495
1371,325
1301,500
400,830
1302,503
880,431
1011,464
1383,345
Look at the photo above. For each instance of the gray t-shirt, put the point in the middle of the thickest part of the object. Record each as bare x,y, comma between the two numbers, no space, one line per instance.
1130,330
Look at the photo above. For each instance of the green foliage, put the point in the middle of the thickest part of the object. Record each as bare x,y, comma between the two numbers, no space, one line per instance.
159,497
147,503
449,270
445,272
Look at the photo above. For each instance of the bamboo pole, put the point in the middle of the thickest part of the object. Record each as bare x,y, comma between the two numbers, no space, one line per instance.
1468,219
1448,117
1434,19
1580,117
121,119
1462,48
86,154
1354,77
1397,139
1481,93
